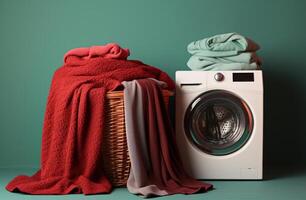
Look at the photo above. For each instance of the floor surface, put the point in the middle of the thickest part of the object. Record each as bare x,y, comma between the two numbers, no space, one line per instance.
279,184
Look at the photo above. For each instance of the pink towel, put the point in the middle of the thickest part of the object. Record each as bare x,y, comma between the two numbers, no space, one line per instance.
156,168
110,50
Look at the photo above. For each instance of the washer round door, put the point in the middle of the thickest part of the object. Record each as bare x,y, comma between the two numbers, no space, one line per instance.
218,122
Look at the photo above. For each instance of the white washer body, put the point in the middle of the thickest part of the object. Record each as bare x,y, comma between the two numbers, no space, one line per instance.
245,163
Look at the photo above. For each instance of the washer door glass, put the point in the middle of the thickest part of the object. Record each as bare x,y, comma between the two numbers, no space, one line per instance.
218,122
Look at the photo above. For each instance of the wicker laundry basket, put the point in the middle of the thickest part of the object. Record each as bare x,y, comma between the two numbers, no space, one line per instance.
115,151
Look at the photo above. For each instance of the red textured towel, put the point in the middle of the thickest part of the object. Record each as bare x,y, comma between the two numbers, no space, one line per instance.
73,125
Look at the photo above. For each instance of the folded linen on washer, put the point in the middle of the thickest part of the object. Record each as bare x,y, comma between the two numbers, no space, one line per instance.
244,57
156,169
229,51
229,44
197,66
243,61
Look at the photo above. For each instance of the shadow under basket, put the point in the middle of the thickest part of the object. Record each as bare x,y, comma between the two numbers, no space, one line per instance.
116,159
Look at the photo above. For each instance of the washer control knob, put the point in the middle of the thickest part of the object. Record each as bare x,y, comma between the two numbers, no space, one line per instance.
219,77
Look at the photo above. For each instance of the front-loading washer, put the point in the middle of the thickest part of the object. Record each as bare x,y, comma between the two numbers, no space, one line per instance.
219,123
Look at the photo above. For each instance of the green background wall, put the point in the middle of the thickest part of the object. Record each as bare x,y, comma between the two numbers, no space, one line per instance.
34,35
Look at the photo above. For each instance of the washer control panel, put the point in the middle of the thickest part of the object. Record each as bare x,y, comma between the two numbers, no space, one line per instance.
243,77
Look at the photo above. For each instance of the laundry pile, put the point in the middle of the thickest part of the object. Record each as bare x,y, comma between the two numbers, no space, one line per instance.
71,155
229,51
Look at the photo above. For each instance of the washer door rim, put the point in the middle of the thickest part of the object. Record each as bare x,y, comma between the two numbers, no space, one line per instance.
240,139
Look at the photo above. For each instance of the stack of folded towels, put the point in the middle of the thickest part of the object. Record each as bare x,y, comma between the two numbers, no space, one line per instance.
229,51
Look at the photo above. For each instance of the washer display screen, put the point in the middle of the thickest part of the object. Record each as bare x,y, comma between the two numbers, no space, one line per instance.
218,122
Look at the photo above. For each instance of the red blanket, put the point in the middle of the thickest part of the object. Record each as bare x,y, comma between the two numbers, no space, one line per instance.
74,120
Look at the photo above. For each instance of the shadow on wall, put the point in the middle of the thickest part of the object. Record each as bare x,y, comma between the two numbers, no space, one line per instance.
284,118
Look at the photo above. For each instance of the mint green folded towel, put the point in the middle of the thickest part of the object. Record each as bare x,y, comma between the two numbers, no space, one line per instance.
229,51
242,60
196,65
228,44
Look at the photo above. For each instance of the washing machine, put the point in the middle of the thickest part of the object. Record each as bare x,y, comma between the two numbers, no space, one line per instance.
219,123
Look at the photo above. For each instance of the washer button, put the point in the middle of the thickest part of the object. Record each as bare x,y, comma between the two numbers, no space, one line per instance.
219,77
